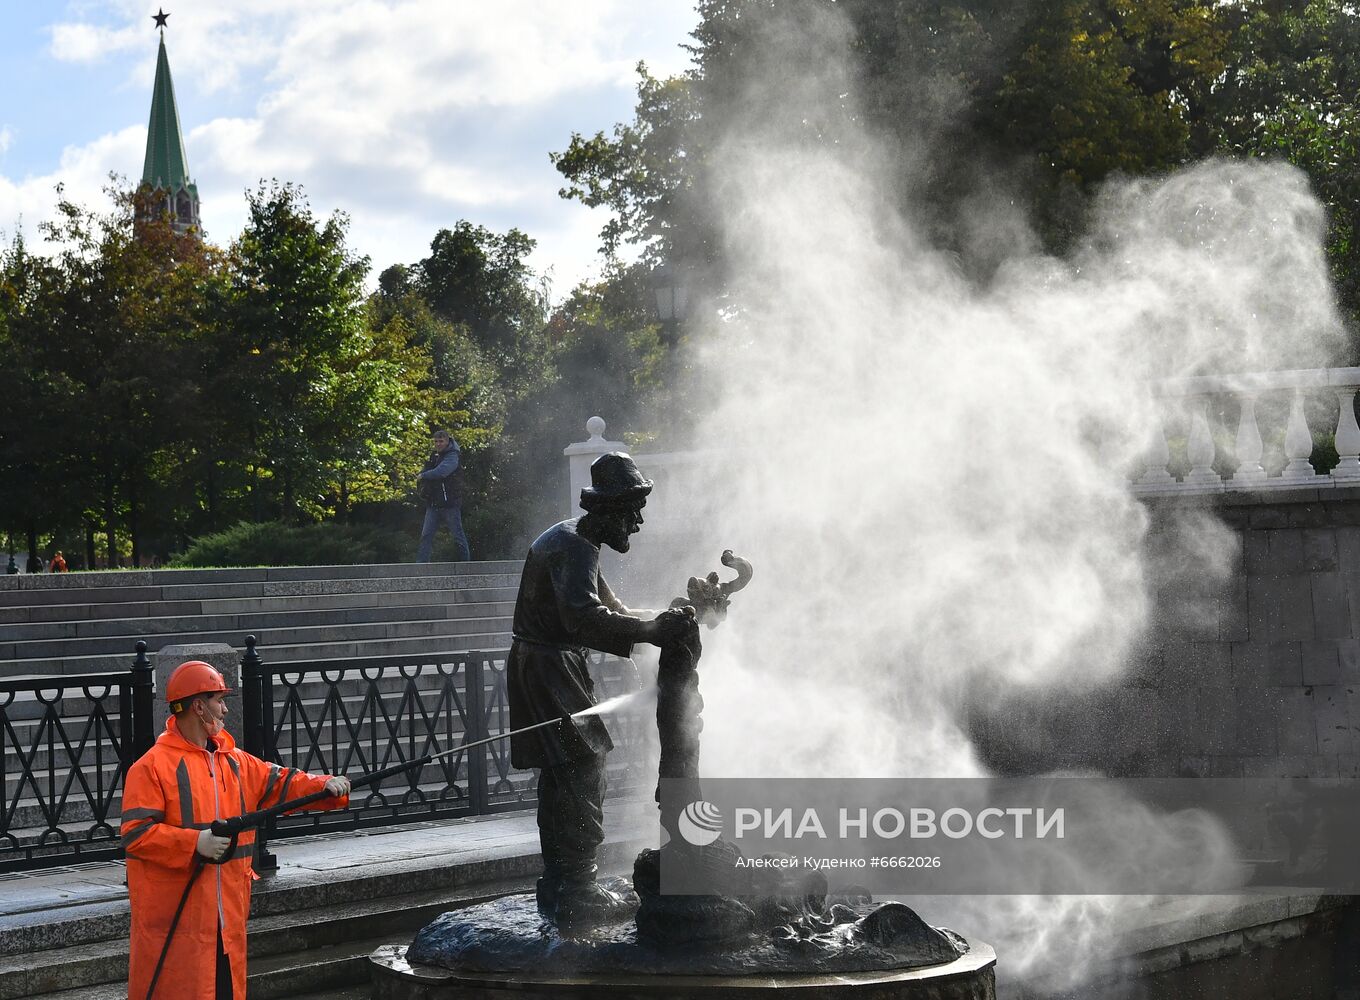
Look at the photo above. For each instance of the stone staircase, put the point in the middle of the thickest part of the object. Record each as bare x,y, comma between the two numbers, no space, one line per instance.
90,622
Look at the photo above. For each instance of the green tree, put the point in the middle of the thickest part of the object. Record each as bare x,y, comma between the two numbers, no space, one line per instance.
99,332
33,428
1057,96
1290,90
326,402
482,281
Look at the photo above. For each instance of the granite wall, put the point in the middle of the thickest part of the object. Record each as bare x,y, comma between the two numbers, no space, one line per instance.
1256,677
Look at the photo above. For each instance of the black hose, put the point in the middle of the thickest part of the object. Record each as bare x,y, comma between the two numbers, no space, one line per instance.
174,922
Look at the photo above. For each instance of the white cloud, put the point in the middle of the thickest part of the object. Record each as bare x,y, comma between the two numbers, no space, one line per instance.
406,115
83,172
6,139
88,43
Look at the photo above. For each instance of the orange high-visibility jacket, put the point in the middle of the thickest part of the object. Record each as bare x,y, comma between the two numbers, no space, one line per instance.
175,790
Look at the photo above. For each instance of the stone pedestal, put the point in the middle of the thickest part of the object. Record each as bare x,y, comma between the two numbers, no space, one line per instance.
219,654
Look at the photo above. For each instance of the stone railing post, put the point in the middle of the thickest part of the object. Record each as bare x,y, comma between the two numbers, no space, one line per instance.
1200,446
579,458
1158,457
1347,436
218,654
1298,444
1250,448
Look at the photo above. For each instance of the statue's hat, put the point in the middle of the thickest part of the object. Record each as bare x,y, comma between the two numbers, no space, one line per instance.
614,477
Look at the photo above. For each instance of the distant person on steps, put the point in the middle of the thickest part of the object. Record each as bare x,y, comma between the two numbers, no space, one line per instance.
440,483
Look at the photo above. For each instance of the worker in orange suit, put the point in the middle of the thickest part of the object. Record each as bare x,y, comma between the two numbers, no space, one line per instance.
193,775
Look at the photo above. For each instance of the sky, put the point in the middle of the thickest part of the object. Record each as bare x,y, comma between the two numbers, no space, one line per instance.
407,115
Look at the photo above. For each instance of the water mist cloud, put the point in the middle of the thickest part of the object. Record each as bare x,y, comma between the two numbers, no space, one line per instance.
934,498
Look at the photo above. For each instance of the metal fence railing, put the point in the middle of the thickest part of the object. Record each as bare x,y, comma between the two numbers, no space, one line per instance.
67,743
362,715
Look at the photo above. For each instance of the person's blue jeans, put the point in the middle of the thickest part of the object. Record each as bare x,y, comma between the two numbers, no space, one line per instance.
453,517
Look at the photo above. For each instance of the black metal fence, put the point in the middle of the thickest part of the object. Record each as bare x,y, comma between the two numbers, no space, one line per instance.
67,743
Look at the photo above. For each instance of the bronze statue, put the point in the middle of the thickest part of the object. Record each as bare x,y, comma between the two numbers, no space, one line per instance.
564,609
740,921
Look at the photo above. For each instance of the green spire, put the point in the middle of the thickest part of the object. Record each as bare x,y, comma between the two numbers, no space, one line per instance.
166,167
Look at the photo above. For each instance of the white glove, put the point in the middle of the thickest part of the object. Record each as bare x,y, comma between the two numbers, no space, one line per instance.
338,786
210,845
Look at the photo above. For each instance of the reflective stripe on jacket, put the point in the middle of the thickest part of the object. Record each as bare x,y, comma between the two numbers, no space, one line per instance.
174,791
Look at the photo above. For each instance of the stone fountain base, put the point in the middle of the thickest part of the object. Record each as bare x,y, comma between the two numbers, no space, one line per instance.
969,977
504,947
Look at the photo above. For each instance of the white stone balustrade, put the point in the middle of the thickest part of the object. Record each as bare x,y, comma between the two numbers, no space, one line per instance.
1340,384
663,467
1190,396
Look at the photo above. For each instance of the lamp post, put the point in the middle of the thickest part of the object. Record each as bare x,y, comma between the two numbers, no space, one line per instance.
672,300
13,567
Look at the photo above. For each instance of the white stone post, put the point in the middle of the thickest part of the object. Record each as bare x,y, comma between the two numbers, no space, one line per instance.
579,458
1298,444
1200,447
1249,444
1347,437
221,656
1158,456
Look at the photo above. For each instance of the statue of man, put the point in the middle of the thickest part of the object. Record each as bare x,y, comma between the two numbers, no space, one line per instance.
564,609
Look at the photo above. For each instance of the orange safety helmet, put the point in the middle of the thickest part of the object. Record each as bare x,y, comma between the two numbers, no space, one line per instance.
191,678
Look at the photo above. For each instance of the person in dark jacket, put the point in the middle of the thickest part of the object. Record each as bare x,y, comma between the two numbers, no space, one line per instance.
440,483
565,608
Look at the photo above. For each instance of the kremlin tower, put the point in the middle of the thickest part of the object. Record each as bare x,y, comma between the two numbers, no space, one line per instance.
165,172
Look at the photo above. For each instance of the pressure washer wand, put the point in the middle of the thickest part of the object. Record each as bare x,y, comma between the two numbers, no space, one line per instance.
248,821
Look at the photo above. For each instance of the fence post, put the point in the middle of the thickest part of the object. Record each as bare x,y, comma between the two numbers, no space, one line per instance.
143,704
478,793
258,711
252,707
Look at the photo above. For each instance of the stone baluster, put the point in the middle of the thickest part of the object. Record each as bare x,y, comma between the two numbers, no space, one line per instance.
1200,447
1298,444
1158,457
1249,445
1347,436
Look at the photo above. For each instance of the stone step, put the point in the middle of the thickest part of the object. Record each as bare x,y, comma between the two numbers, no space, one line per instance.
121,610
110,991
268,637
501,575
151,577
288,953
275,655
331,966
130,629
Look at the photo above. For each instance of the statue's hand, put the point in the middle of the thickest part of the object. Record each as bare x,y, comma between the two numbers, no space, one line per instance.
670,625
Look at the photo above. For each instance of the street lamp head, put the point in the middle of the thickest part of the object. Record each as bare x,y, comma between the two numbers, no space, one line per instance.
672,297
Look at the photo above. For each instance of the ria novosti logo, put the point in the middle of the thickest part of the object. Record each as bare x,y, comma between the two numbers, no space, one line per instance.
700,823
